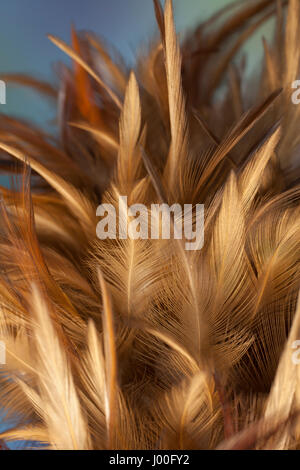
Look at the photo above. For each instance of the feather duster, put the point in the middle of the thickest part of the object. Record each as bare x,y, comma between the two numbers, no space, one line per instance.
135,343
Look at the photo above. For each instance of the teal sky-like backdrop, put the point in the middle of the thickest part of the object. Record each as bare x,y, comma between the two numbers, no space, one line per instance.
24,46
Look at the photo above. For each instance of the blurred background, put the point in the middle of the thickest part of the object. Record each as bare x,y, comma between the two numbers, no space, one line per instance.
127,24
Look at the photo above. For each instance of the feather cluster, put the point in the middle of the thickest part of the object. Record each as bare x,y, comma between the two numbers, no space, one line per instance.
140,344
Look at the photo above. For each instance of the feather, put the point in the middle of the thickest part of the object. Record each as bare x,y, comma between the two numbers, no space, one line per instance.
63,46
127,342
130,124
178,119
76,200
250,177
284,397
110,357
58,401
